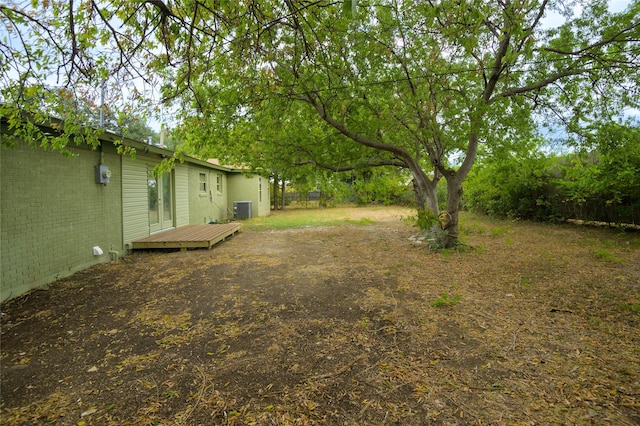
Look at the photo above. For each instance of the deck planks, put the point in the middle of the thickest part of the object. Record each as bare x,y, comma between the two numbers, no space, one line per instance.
189,236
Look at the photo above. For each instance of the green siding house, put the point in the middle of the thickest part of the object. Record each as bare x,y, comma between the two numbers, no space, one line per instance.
59,215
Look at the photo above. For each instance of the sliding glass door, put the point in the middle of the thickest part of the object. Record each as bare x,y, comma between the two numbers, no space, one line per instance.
160,191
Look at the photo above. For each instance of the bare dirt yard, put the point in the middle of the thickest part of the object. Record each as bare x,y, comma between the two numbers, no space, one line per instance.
343,323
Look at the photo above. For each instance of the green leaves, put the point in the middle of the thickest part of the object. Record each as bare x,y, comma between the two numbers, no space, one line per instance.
599,184
349,8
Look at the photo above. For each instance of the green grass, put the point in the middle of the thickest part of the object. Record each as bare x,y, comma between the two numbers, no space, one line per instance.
304,218
363,221
471,227
499,230
607,256
633,307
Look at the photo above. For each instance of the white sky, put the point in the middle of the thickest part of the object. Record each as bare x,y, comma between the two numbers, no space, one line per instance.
554,19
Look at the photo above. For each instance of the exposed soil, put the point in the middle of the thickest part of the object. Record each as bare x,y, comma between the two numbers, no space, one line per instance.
340,325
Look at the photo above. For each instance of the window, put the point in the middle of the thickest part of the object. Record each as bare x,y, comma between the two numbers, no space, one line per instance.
260,189
219,183
203,182
152,191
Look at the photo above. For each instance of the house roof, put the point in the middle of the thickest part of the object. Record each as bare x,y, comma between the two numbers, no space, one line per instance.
163,152
235,168
55,125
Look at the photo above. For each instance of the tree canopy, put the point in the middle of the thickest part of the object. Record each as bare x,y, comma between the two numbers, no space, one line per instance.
414,84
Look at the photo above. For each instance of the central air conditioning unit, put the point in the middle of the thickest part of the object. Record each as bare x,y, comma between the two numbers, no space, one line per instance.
242,209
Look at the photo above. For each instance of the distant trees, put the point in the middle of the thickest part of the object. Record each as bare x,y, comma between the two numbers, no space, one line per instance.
360,187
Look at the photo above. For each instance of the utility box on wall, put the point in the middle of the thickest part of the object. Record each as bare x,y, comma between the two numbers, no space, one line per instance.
103,174
242,209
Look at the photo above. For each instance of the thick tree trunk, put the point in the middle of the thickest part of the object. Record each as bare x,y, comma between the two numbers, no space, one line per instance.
426,194
440,227
449,218
425,191
282,198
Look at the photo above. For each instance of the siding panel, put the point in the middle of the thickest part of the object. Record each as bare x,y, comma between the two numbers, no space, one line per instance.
135,203
182,194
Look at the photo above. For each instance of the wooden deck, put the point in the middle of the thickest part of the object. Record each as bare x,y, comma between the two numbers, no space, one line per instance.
190,236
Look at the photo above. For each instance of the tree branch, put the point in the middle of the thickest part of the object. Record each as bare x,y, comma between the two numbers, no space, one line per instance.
72,34
538,84
164,9
601,43
322,111
4,9
539,16
497,68
395,163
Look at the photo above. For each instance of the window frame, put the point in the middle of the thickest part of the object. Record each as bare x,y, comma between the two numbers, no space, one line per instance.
202,183
219,183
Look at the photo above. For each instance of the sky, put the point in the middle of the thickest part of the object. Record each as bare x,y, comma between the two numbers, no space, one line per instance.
554,19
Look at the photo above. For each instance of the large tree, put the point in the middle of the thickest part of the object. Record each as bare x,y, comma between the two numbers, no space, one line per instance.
413,84
420,84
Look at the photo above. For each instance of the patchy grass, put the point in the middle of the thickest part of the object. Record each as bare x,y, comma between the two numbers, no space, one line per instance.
446,300
633,307
335,317
302,218
606,256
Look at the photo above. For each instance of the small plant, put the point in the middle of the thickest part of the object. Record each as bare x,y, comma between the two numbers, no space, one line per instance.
437,239
170,394
471,228
633,307
606,256
446,300
498,231
426,219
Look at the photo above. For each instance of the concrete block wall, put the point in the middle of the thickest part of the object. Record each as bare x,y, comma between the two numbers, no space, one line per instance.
52,213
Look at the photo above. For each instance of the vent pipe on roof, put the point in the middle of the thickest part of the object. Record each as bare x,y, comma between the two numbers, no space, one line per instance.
102,104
